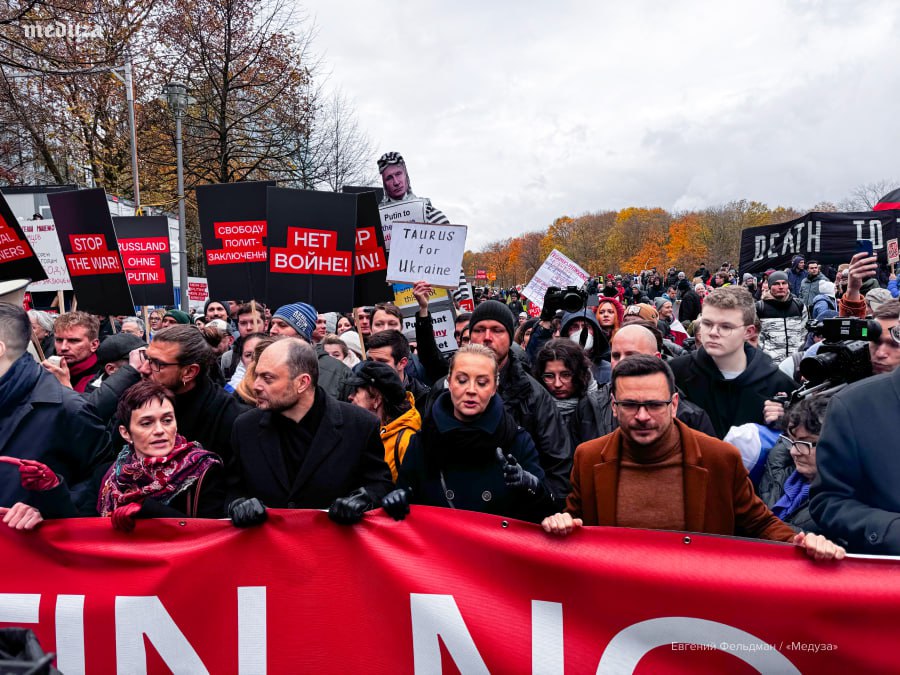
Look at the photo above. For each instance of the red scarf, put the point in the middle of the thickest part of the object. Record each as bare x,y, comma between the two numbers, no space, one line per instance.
77,371
132,478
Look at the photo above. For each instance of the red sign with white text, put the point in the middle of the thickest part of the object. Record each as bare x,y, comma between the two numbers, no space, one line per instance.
242,241
443,590
91,256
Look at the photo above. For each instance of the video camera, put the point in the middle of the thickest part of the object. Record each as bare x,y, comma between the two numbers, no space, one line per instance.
843,356
570,299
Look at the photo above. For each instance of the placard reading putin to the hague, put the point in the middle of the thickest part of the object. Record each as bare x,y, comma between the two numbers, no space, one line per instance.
233,230
312,242
410,211
144,245
425,252
88,241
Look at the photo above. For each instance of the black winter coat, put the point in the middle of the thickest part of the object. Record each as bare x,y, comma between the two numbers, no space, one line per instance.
730,402
346,453
690,306
854,497
533,409
53,425
468,475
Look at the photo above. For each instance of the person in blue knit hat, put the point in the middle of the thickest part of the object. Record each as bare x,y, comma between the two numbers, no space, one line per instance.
295,320
299,320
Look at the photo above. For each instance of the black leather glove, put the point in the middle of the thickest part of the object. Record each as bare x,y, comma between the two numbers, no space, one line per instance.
246,512
516,477
396,503
350,509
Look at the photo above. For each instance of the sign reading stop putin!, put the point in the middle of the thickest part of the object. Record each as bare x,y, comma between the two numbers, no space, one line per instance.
88,242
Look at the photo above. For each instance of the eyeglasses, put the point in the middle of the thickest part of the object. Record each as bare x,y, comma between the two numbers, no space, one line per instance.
155,364
564,376
803,447
632,407
895,333
724,329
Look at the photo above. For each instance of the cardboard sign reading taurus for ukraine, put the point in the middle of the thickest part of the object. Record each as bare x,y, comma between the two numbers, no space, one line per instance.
88,242
424,252
233,229
17,258
312,239
144,245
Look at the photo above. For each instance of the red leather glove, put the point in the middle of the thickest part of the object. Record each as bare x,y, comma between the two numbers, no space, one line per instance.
123,517
37,476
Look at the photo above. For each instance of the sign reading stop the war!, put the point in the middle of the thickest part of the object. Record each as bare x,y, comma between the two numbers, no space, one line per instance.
88,242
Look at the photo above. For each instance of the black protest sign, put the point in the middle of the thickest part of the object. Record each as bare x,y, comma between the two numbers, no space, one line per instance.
88,242
369,262
144,246
17,258
232,229
312,237
823,236
358,189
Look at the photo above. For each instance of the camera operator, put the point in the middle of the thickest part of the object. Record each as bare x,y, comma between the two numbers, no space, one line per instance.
855,495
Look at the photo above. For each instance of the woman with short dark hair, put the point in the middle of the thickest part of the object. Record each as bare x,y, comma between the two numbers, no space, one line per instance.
791,464
159,474
564,369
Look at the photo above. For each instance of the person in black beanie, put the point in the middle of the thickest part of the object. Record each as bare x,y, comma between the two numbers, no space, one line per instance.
525,399
691,304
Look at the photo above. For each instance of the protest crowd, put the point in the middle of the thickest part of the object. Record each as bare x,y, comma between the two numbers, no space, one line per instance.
672,400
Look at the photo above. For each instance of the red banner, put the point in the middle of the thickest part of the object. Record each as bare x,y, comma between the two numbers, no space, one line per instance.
443,590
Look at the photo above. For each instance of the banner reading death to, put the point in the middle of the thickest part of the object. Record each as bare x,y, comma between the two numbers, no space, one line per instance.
442,591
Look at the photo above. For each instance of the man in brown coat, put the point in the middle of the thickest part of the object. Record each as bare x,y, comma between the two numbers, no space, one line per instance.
654,472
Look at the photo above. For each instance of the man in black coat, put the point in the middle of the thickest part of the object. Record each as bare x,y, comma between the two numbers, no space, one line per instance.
39,418
854,496
301,448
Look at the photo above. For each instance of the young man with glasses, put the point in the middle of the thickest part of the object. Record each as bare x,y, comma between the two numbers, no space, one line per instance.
728,378
656,473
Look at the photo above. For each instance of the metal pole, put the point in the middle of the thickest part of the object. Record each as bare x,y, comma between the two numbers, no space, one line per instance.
182,238
129,99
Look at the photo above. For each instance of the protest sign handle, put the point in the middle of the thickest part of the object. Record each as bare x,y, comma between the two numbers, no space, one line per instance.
61,302
112,323
37,347
146,316
74,303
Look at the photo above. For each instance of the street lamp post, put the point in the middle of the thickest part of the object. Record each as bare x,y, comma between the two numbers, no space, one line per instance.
175,94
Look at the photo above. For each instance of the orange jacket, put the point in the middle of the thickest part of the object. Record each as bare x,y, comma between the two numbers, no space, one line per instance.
396,434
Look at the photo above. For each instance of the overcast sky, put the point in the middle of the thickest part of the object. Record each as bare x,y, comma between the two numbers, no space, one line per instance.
510,114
